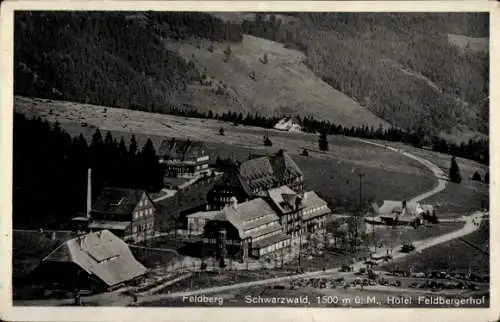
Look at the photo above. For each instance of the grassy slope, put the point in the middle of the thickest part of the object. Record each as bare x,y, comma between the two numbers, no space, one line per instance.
282,85
473,44
457,198
332,174
148,62
442,85
130,67
454,255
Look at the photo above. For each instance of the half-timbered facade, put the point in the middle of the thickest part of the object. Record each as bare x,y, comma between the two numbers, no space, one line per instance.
252,229
184,158
127,213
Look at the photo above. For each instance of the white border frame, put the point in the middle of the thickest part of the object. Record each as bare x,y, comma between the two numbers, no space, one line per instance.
9,313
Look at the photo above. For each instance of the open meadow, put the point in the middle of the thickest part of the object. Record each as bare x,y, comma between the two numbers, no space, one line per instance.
467,196
452,256
333,175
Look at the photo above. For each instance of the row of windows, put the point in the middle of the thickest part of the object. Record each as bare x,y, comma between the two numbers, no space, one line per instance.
274,247
228,241
225,199
255,219
146,212
306,212
276,232
142,228
261,227
203,158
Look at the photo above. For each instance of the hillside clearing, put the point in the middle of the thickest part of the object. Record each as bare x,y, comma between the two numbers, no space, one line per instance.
473,44
332,174
284,84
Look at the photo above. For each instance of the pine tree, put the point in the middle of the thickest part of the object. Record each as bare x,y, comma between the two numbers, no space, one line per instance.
133,146
323,141
454,174
151,170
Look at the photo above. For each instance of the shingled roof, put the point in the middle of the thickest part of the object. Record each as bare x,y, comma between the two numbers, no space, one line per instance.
283,198
389,207
268,171
283,164
101,254
118,200
313,205
181,149
256,168
232,178
249,215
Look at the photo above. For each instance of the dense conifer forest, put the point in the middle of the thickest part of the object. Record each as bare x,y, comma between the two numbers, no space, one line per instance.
50,170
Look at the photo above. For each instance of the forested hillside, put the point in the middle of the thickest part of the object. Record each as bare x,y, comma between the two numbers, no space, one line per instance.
115,59
50,170
402,68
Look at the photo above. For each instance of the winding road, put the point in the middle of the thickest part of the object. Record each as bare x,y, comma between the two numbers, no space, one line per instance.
472,223
468,228
438,173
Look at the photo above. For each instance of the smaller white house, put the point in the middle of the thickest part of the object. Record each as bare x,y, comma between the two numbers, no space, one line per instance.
402,211
289,124
196,222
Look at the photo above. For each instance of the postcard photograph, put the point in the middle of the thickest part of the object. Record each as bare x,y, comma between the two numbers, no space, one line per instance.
251,159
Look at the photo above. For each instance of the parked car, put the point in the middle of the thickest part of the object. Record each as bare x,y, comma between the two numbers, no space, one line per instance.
407,248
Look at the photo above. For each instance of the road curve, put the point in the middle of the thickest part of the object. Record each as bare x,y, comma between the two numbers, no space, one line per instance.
472,224
468,228
438,173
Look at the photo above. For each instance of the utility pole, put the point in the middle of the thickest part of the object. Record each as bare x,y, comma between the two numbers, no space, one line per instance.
361,175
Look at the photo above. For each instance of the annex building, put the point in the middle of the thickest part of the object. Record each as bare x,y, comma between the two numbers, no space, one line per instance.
98,261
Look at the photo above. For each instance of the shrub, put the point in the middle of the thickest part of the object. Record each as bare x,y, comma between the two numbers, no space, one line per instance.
267,141
323,142
264,59
476,176
221,131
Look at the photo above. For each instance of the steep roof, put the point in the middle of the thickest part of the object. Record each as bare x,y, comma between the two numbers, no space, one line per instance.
204,214
283,198
108,224
265,171
283,164
232,178
287,122
270,240
248,215
118,200
391,206
181,149
101,254
256,168
312,201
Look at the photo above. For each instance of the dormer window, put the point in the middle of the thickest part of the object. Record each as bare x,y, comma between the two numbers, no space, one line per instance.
117,203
